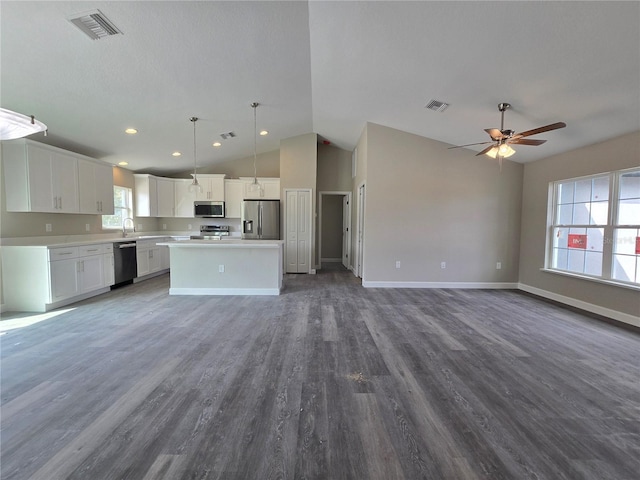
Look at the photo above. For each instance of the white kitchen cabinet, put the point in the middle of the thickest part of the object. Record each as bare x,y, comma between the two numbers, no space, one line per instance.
150,257
108,265
95,182
155,196
184,198
64,279
267,189
146,195
233,196
76,270
212,187
39,178
41,278
166,197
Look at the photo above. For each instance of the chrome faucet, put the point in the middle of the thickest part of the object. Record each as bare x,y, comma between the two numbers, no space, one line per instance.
124,226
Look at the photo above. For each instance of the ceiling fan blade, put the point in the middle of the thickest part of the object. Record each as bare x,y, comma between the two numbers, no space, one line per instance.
526,141
495,133
468,145
485,150
546,128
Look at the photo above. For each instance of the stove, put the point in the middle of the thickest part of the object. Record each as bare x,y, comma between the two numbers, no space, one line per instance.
211,232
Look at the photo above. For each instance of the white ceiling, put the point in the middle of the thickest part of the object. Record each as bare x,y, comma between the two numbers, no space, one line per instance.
319,66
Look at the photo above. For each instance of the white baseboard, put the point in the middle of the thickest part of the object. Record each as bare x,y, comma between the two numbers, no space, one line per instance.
224,291
478,285
589,307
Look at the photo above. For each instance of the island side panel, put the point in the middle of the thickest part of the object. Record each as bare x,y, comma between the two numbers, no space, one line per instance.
246,271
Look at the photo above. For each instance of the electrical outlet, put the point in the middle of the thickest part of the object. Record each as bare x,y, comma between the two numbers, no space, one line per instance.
87,227
398,264
139,227
164,226
189,227
498,265
220,268
443,265
47,227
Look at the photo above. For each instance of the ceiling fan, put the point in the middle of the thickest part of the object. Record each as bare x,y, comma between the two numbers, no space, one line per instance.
501,140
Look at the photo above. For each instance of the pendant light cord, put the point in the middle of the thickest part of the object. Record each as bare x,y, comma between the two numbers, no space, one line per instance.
195,173
254,105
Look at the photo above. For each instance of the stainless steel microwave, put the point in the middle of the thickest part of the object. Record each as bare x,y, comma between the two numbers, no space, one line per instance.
208,209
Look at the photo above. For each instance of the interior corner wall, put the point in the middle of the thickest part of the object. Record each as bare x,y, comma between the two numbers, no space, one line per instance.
426,205
617,154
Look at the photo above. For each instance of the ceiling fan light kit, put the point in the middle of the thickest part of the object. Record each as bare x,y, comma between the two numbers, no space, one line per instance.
502,139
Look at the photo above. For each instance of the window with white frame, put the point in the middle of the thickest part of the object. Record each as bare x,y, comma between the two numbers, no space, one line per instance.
595,226
122,208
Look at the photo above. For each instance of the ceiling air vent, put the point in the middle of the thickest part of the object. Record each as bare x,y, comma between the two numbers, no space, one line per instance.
94,24
437,106
228,135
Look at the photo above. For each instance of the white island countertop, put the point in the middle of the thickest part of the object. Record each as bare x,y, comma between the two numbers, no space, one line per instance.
224,243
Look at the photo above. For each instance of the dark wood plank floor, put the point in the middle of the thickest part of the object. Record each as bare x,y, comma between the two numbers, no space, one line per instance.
327,381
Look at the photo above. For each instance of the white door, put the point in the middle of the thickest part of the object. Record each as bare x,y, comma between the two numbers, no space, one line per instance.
298,231
360,232
346,220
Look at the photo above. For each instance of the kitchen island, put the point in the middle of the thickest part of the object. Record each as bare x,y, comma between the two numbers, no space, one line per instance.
225,267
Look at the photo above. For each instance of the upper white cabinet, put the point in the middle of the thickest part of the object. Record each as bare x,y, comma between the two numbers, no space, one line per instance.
184,198
95,187
39,178
166,197
212,187
146,193
233,196
267,188
155,196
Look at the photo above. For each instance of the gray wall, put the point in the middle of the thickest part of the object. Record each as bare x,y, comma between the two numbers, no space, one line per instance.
426,205
334,175
616,154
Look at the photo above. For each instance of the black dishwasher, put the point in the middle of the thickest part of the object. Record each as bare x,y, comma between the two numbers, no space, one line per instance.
124,262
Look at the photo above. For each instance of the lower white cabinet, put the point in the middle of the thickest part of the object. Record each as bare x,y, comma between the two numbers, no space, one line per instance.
39,278
150,257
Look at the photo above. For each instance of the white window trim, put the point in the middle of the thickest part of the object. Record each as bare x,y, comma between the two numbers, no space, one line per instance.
609,228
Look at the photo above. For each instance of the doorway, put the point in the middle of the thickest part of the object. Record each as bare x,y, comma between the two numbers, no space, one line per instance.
334,230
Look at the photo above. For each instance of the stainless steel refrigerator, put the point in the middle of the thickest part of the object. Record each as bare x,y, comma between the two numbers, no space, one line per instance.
261,219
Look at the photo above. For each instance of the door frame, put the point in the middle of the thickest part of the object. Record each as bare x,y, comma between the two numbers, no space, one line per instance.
339,193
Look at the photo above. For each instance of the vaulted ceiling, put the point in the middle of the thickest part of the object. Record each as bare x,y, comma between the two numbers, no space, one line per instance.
318,66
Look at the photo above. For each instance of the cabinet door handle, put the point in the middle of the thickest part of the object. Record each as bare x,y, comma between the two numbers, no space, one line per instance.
60,202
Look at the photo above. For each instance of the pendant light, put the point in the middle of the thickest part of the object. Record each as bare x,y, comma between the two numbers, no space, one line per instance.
255,186
15,125
195,186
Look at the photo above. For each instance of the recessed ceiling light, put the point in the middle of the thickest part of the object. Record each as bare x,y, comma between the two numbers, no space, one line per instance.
131,131
122,164
176,154
217,144
264,132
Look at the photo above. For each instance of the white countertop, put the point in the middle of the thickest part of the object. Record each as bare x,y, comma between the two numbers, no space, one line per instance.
77,240
224,243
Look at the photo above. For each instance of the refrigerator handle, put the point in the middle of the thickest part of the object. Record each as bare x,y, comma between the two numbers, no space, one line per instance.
260,220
